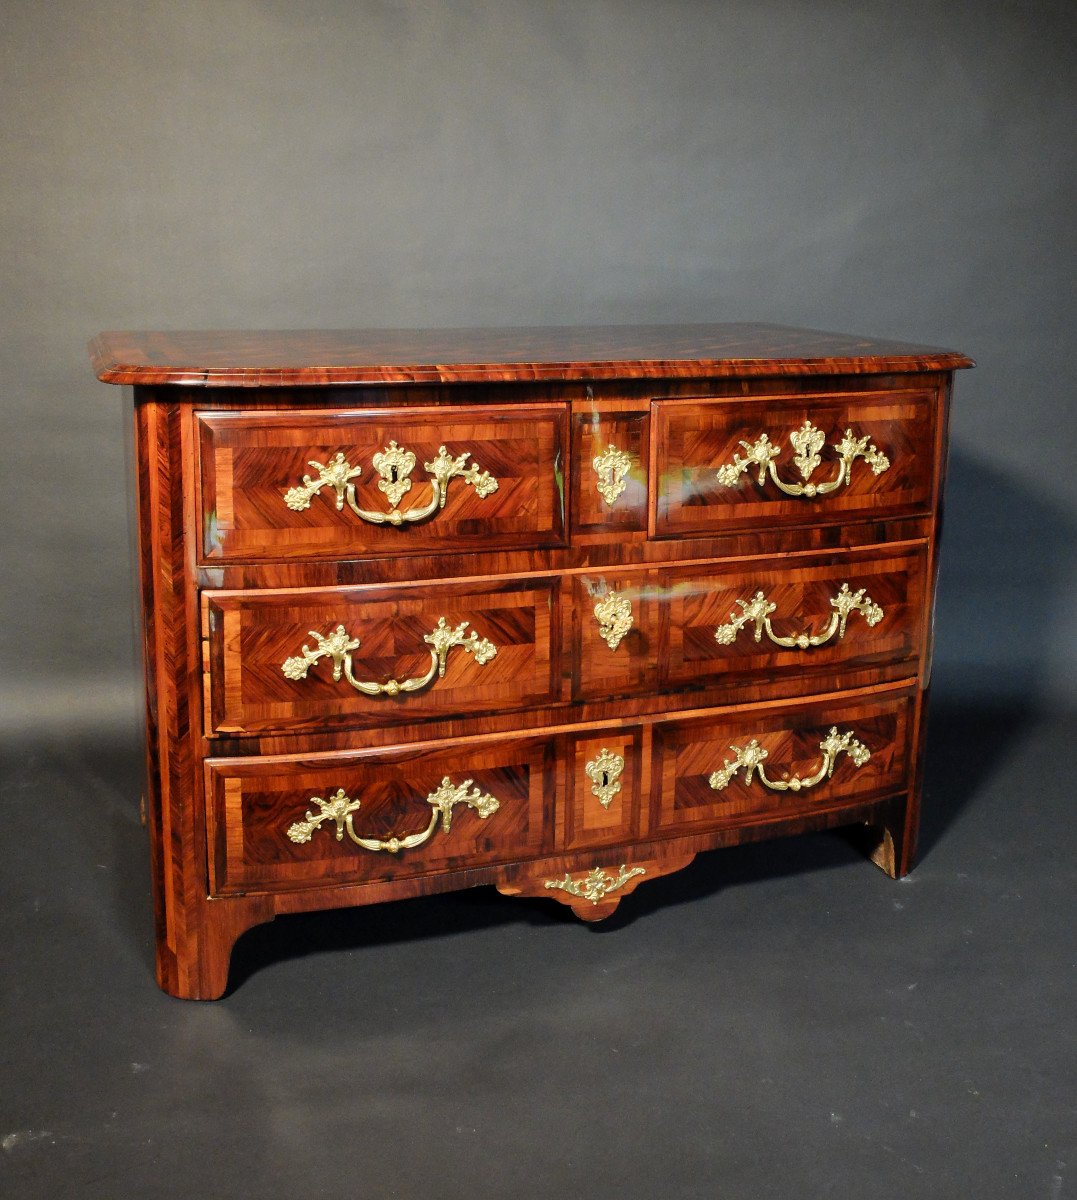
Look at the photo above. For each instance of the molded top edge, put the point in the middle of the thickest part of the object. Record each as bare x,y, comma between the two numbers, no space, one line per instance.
289,358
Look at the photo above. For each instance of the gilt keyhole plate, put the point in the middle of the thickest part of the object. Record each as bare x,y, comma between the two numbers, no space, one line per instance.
605,774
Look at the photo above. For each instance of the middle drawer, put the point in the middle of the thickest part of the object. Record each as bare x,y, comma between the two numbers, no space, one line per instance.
751,628
332,658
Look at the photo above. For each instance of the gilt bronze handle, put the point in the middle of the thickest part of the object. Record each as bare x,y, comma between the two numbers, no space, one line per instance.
394,464
338,646
757,610
752,756
340,809
807,441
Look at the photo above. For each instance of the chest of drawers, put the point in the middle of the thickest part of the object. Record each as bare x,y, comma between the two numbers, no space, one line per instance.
549,609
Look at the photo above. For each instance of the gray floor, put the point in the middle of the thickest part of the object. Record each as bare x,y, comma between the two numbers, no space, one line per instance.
777,1021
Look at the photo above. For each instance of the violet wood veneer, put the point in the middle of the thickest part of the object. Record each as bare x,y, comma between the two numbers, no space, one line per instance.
549,609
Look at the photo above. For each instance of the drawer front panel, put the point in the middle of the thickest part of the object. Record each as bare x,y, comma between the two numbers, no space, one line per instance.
609,472
273,823
323,658
326,484
767,764
840,612
617,650
804,623
722,465
602,800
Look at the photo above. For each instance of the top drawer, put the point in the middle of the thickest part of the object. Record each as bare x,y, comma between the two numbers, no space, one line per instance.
347,483
726,464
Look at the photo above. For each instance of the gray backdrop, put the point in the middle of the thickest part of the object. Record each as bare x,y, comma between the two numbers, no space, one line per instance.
896,169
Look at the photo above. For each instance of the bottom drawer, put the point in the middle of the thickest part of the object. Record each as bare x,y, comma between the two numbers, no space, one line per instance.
378,816
366,816
769,763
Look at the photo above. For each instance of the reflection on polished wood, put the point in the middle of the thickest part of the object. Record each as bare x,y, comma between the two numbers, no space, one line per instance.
697,443
591,657
253,510
611,467
258,358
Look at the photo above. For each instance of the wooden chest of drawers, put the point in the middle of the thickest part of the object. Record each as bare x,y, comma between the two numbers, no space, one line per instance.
551,609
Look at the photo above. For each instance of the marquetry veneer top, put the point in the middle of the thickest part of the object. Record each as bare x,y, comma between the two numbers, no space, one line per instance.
238,358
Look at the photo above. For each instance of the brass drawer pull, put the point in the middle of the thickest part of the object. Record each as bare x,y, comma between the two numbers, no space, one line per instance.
614,615
394,464
611,467
752,756
340,809
757,611
807,441
339,645
598,884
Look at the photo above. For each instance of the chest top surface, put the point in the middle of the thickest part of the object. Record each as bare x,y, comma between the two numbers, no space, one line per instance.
329,356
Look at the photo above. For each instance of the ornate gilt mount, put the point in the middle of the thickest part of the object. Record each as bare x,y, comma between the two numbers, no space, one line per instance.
604,772
340,809
611,467
807,441
338,647
614,615
394,464
757,610
752,756
598,884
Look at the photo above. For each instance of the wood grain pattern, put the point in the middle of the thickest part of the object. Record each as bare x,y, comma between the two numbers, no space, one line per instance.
546,631
587,554
802,589
584,821
693,439
193,939
636,665
229,591
254,801
687,752
594,433
324,356
251,634
249,462
546,800
672,649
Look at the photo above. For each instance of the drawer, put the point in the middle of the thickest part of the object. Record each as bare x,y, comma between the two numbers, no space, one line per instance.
731,464
610,456
325,658
354,817
349,483
617,648
776,618
752,765
602,794
803,623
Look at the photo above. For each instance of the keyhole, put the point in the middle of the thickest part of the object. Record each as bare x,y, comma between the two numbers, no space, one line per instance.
392,474
605,779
